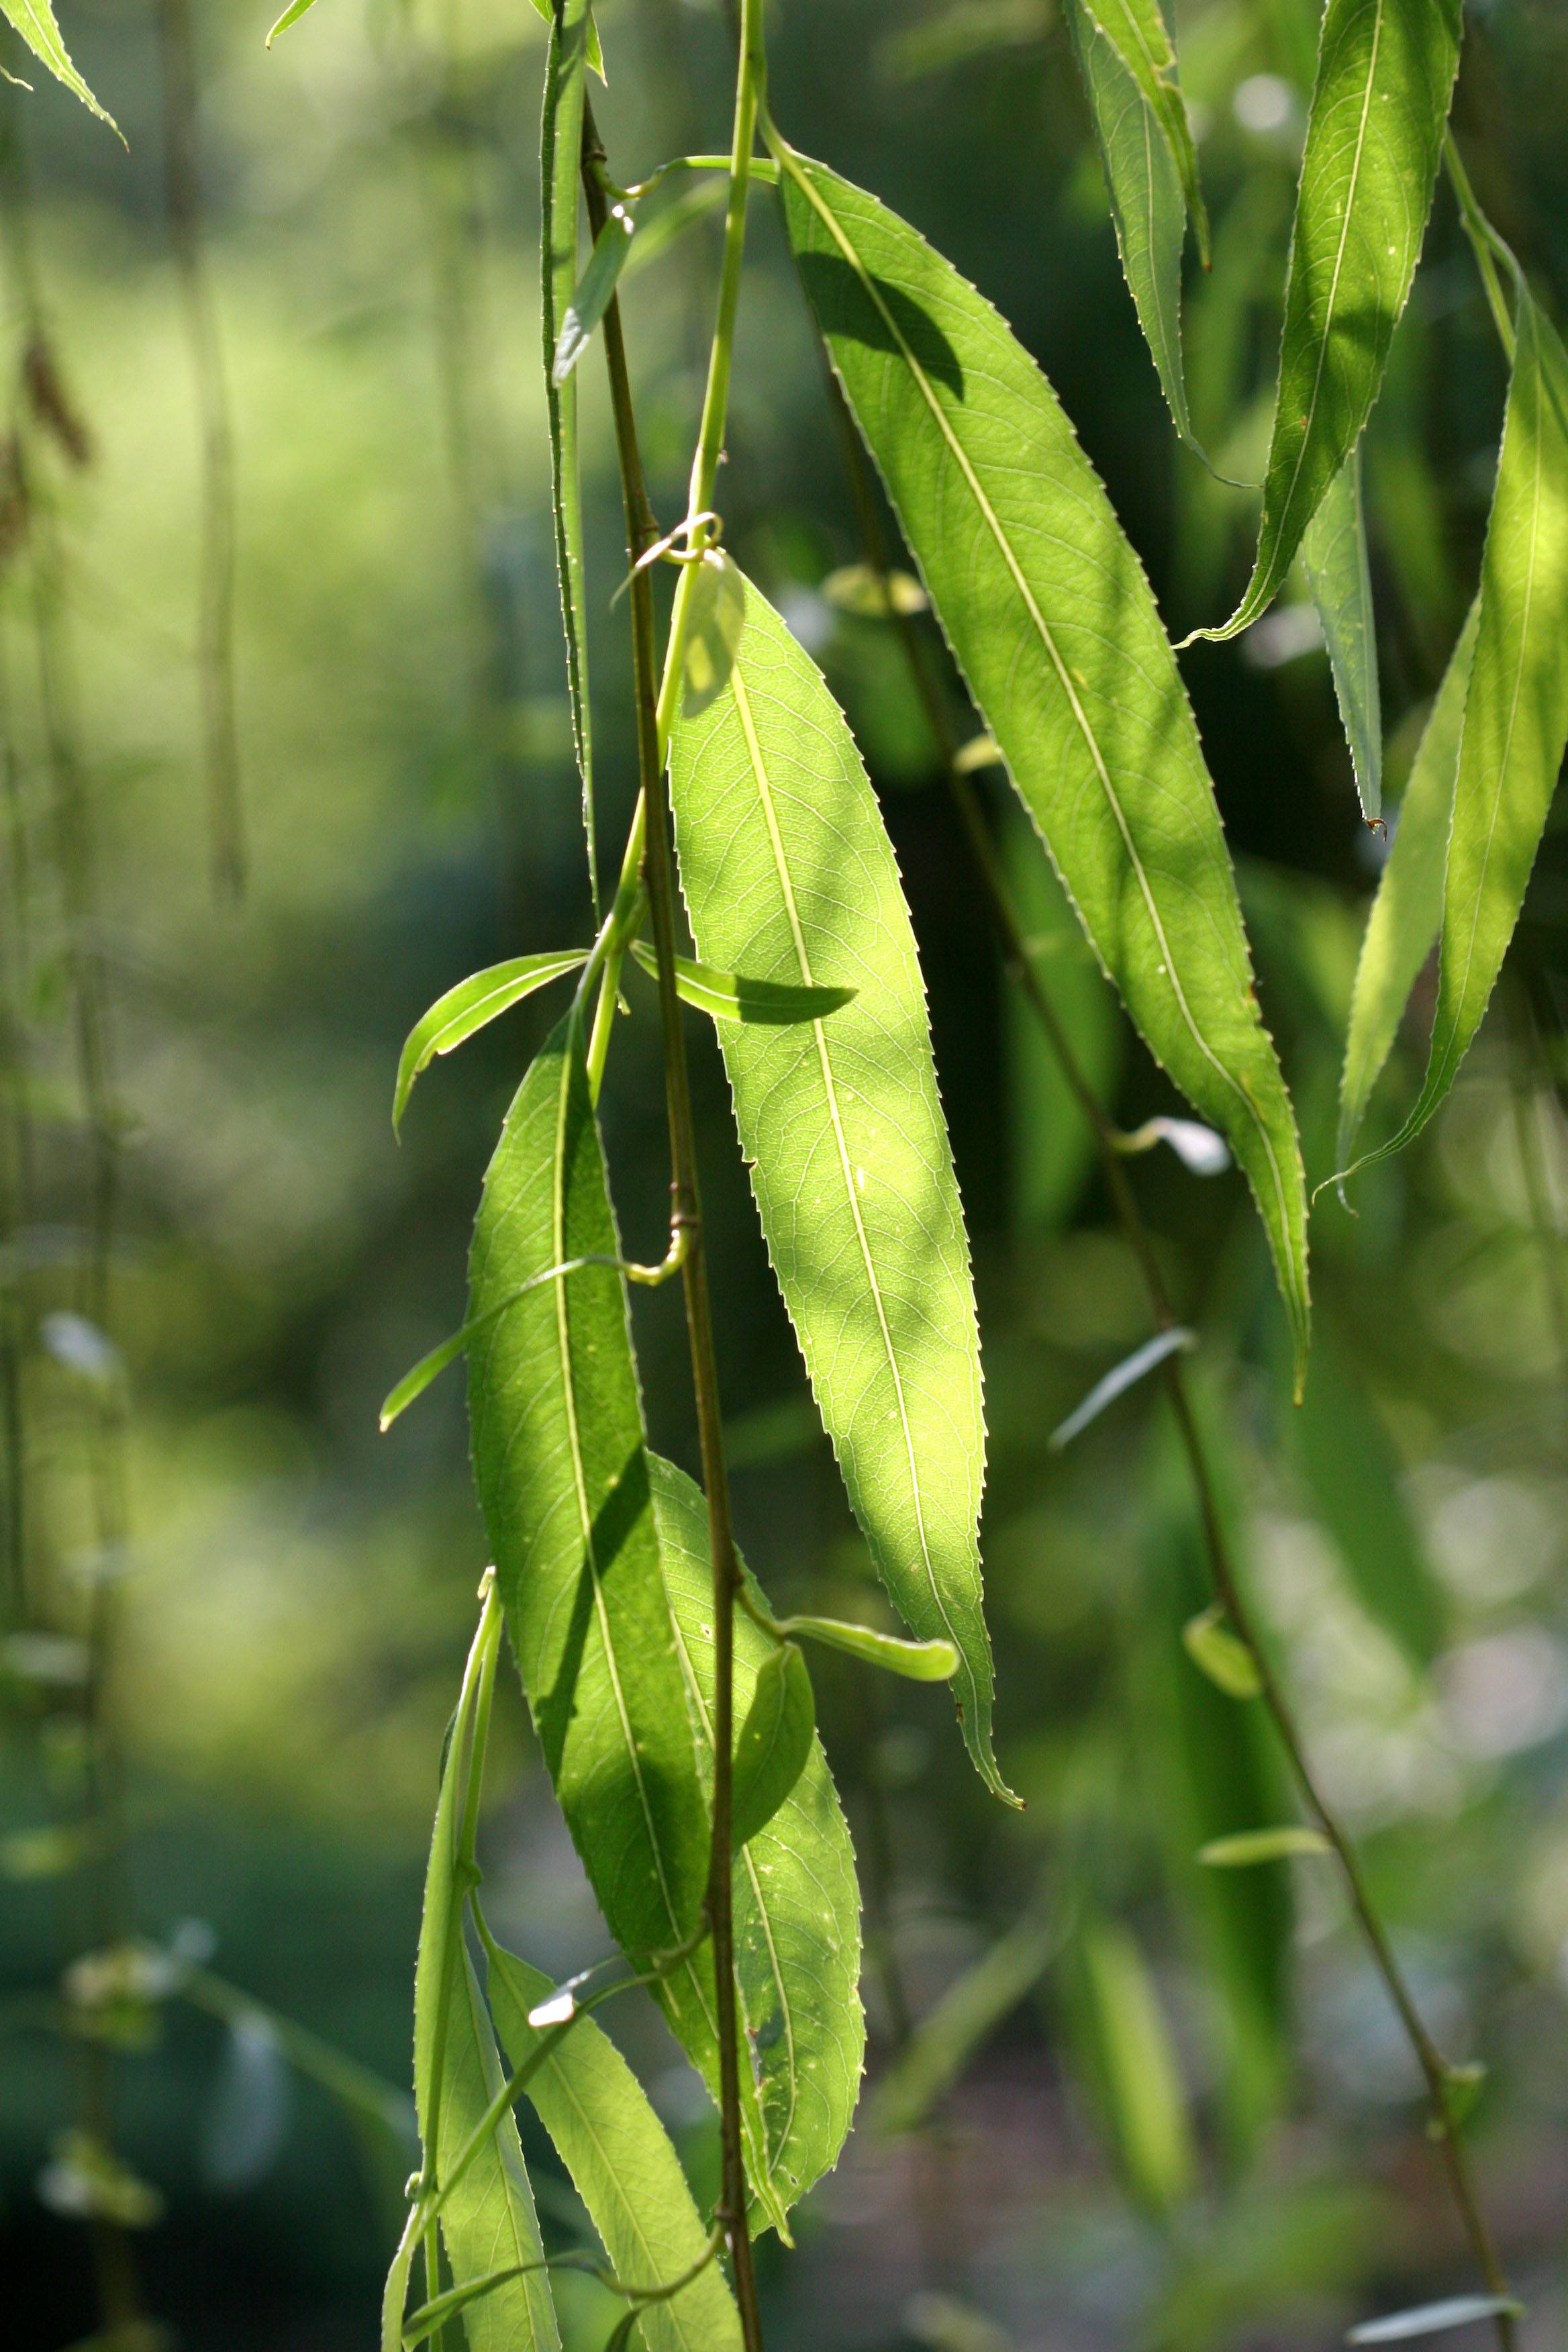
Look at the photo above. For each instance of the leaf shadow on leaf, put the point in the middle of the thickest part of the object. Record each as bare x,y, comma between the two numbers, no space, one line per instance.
844,306
617,1515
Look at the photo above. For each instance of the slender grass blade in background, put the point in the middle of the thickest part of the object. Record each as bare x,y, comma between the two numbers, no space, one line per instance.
1217,1773
621,2163
969,2011
788,873
1407,912
773,1742
798,1912
1151,171
35,20
1132,2066
1375,138
561,1470
1352,1472
1334,555
470,1006
1516,711
559,161
1049,614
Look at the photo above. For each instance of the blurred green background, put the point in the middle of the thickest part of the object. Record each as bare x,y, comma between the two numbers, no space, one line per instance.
1192,2123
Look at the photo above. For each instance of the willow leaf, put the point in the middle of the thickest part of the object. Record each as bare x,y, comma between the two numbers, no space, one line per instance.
1375,138
1407,912
789,874
773,1743
735,996
560,161
488,2220
946,2039
1134,2069
797,1915
1334,555
1516,711
1052,620
561,1469
594,292
1137,31
470,1006
35,20
621,2162
1147,205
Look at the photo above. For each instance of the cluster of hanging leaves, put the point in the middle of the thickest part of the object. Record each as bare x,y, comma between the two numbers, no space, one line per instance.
807,964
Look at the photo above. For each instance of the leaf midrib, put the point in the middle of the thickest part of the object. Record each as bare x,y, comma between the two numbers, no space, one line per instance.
758,771
1092,741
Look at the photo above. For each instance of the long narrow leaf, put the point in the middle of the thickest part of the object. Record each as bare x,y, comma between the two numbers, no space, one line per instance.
1134,2068
467,1007
1053,623
593,293
560,154
798,1912
1516,711
1122,1377
1334,555
563,1476
969,2011
35,20
1407,912
1149,189
488,2219
621,2162
734,996
789,874
1375,138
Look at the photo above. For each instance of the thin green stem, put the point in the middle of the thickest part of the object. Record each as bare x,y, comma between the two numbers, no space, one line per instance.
1485,242
686,1216
1435,2069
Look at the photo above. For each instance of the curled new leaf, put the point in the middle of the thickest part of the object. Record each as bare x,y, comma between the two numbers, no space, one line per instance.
1055,628
916,1662
1248,1847
734,996
1227,1660
789,874
774,1742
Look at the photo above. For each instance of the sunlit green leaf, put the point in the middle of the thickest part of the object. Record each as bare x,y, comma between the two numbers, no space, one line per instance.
291,15
1333,554
1049,614
1374,135
563,1476
773,1743
1516,711
467,1007
560,161
796,1908
621,2162
1129,71
1250,1846
945,2040
1407,912
734,996
789,875
35,20
1134,2068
